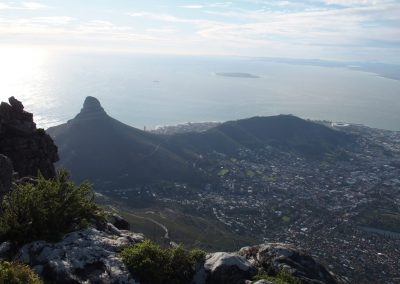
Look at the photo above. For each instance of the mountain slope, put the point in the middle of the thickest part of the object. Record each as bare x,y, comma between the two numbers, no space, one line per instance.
97,147
285,132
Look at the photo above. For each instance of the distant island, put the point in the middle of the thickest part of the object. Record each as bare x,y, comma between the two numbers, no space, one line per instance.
237,75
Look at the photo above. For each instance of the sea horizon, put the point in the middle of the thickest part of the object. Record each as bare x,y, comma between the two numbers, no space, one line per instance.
159,90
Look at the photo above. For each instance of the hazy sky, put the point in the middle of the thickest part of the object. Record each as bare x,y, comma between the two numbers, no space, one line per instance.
326,29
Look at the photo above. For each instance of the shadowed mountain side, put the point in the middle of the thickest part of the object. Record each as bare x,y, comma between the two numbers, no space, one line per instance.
97,147
284,132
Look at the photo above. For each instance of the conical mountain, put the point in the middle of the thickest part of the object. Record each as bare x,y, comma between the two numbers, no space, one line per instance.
97,147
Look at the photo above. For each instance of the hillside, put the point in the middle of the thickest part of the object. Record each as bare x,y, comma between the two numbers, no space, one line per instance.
95,146
284,132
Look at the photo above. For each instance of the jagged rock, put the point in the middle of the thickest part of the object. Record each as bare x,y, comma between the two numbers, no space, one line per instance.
6,174
223,267
30,149
119,222
274,257
86,256
16,104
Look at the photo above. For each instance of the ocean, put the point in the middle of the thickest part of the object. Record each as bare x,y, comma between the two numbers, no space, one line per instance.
154,90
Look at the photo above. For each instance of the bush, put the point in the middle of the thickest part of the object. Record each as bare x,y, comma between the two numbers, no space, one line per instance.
46,210
15,273
155,265
282,277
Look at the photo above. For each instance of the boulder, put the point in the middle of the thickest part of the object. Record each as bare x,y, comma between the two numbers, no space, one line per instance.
223,267
274,257
86,256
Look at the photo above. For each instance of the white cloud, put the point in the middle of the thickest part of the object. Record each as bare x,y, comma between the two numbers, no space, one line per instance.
192,6
211,5
4,6
22,6
33,5
286,29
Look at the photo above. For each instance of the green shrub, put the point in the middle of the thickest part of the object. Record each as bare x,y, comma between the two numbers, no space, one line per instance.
16,273
155,265
282,277
46,210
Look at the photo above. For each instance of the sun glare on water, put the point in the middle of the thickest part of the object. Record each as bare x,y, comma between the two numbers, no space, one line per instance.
21,70
23,74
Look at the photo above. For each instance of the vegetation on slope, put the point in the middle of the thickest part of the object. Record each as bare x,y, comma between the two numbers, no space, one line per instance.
46,210
155,265
16,273
282,277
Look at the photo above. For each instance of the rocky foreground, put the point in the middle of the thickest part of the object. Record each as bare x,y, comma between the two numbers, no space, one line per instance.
92,256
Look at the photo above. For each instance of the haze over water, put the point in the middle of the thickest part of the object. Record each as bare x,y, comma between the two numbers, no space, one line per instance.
151,90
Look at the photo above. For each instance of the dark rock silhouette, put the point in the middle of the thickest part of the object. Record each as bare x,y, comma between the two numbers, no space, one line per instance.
30,149
6,174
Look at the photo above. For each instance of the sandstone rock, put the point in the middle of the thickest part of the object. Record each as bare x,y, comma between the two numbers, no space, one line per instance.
86,256
274,257
223,267
30,149
6,174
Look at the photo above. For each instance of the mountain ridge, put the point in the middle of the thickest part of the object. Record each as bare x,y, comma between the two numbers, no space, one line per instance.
96,146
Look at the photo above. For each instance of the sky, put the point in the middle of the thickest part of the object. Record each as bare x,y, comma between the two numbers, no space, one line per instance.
346,30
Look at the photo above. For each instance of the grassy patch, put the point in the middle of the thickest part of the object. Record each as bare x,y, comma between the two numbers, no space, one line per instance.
282,277
269,178
223,172
250,173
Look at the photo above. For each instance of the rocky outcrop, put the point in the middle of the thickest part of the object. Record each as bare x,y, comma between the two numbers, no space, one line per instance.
92,256
272,258
6,174
30,149
275,257
223,267
86,256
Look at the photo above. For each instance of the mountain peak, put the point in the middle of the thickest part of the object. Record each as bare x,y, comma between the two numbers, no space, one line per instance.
91,108
92,104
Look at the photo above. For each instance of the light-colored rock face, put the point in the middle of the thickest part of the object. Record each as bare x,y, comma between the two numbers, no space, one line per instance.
87,256
219,259
262,282
223,267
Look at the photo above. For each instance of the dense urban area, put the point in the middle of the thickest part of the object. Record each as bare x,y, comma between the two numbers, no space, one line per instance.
344,209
